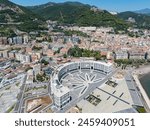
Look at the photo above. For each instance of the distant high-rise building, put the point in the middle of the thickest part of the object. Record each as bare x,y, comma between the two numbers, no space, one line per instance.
121,55
16,40
12,54
23,58
5,53
25,39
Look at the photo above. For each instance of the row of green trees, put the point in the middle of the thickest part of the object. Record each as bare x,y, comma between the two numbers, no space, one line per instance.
78,33
41,77
78,52
130,62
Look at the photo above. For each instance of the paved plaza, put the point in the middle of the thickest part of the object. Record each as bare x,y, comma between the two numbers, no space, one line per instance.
82,79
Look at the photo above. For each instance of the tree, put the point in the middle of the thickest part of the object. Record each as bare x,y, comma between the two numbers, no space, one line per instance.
97,56
77,52
65,55
44,62
39,78
50,58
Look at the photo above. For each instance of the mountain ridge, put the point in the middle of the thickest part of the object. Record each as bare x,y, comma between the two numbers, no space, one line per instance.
143,11
79,14
141,20
32,18
15,17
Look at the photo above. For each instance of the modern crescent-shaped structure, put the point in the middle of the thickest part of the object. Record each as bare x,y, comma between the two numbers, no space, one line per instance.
75,80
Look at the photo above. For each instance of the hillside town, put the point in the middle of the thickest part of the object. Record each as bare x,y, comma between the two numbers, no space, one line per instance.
58,67
30,59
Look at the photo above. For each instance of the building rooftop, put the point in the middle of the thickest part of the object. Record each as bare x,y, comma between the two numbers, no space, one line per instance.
61,91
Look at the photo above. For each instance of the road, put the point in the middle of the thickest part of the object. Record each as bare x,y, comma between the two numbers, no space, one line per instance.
19,106
20,96
28,98
11,23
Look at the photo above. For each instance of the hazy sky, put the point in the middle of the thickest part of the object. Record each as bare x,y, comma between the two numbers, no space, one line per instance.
111,5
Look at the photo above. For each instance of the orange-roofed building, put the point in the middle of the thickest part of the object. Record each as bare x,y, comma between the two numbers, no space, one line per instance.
34,58
64,50
28,50
50,53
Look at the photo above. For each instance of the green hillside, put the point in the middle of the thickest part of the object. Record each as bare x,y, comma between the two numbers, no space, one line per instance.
79,14
141,20
14,16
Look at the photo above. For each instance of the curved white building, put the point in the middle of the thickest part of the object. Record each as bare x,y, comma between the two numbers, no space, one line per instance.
77,77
